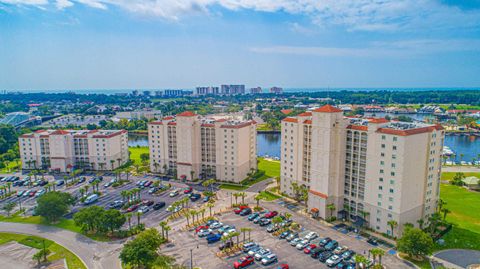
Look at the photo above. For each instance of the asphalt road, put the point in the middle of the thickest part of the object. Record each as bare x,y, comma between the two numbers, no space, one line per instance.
95,255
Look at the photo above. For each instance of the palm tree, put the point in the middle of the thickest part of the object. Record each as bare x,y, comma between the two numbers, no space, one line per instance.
377,252
9,186
163,224
187,216
119,162
202,211
236,194
129,218
139,215
249,230
112,162
167,228
332,208
258,198
445,211
210,205
155,164
243,230
434,219
193,212
243,195
392,225
165,168
287,215
360,261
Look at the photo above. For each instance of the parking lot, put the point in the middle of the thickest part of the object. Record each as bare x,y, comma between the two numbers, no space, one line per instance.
109,195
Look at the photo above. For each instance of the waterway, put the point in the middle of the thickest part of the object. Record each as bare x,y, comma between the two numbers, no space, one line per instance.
269,144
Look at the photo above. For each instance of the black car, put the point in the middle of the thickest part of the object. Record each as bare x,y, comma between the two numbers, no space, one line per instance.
194,197
158,205
284,235
372,241
81,180
324,241
245,212
315,253
226,245
42,183
323,257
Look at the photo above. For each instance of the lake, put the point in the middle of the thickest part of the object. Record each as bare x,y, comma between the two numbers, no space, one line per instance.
269,144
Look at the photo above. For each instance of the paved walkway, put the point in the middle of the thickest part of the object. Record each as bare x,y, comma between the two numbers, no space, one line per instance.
96,255
460,169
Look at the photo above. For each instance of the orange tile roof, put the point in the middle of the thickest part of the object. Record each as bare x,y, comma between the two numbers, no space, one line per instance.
305,114
286,111
168,118
59,132
186,114
328,109
377,120
307,121
415,131
290,120
322,195
358,127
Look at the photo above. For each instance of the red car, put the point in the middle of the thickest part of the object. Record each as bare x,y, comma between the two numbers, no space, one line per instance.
32,193
309,248
132,208
200,228
239,209
271,214
148,183
283,266
188,190
243,262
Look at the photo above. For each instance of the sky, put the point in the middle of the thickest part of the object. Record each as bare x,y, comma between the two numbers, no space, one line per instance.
158,44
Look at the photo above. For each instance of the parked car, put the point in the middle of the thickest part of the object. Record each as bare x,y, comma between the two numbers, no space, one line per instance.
302,244
173,193
272,228
60,183
372,241
81,180
311,235
212,238
201,227
258,219
269,259
144,209
271,214
91,199
110,183
247,246
229,231
265,222
348,255
153,190
262,253
216,225
295,241
333,260
20,193
314,253
243,262
158,205
324,241
245,211
132,208
147,184
204,232
40,193
188,190
283,266
331,245
194,197
32,193
206,199
291,236
324,256
284,235
239,209
252,216
147,202
254,250
309,248
27,193
339,250
115,204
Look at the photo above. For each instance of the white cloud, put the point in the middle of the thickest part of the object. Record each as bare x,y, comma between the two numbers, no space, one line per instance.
379,49
61,4
364,15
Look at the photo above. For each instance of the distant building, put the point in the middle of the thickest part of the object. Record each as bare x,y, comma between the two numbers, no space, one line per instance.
135,93
191,145
472,183
232,89
147,93
20,119
173,93
256,90
207,90
65,150
276,90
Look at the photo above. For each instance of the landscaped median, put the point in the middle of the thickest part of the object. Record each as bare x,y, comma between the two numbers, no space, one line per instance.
56,251
266,169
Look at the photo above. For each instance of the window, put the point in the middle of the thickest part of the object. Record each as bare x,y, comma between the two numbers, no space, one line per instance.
394,147
381,171
392,174
394,138
391,190
383,137
380,187
380,179
383,146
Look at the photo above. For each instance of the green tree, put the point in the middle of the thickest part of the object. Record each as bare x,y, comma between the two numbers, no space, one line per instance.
113,220
53,205
9,207
415,242
392,224
141,252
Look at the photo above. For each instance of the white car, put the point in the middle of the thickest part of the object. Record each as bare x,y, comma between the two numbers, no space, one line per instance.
302,244
229,231
204,232
339,250
268,259
216,225
262,253
311,235
295,241
173,193
40,193
177,208
144,209
334,260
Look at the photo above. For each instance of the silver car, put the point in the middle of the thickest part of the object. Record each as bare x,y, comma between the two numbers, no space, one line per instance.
262,253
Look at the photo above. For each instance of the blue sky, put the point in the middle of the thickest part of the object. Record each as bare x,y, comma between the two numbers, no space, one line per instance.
98,44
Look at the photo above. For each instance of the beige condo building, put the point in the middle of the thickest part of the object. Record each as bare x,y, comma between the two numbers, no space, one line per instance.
192,146
65,150
371,170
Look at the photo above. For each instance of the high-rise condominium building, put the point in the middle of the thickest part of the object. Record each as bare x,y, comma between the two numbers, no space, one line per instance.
370,170
232,89
276,90
207,90
256,90
65,150
192,146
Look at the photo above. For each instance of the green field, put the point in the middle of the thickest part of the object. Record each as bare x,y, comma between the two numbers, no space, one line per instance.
465,216
268,196
449,175
271,168
57,251
135,154
234,187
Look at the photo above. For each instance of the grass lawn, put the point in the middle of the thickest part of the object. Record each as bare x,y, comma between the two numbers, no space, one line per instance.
263,127
235,187
12,166
271,168
424,264
135,154
57,251
449,175
67,224
464,215
268,196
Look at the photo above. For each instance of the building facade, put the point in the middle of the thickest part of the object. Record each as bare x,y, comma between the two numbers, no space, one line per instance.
207,90
65,150
232,89
276,90
371,170
191,146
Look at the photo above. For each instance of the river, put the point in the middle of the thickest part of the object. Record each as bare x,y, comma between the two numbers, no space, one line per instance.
269,144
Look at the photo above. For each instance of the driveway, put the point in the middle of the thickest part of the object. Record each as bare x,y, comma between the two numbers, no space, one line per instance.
96,255
459,257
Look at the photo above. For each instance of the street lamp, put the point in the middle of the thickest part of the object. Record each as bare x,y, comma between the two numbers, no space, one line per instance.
191,257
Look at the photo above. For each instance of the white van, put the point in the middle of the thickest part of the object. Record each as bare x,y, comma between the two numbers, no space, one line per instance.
91,199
